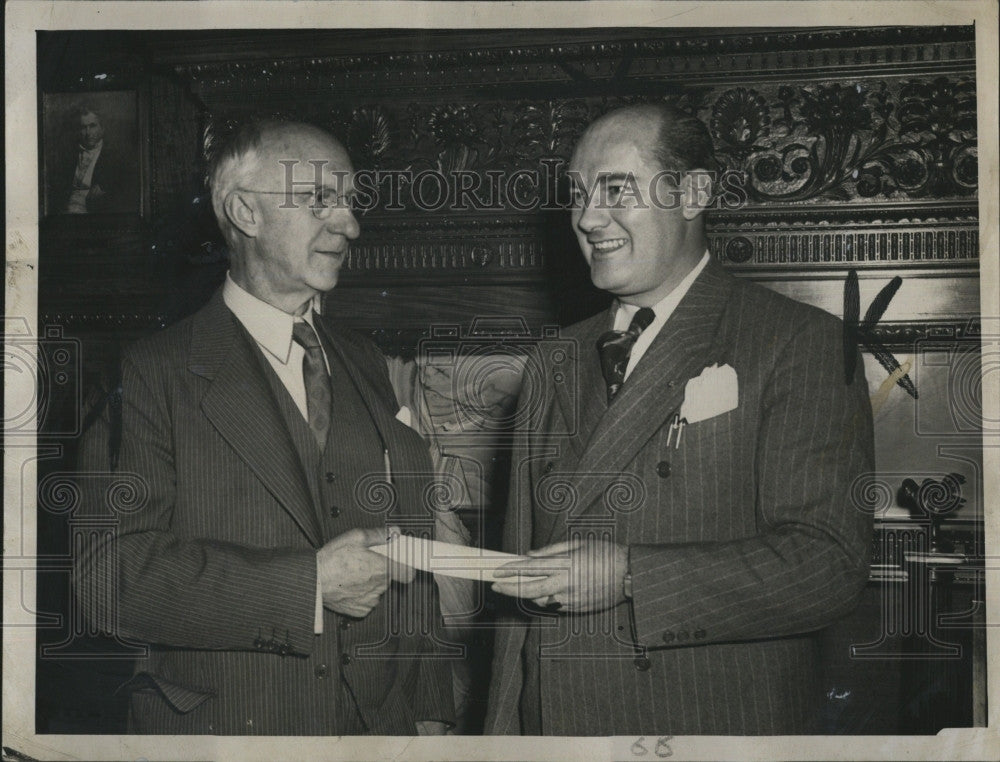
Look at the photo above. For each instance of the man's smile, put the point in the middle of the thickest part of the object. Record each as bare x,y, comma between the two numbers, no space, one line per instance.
608,246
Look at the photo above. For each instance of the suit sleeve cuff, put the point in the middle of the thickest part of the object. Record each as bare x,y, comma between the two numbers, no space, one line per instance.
661,610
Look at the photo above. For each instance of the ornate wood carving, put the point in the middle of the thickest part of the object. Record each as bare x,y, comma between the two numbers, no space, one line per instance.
872,141
621,58
858,146
795,242
862,141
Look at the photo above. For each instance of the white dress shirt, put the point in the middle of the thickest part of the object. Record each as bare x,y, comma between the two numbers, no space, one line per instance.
82,178
663,309
272,330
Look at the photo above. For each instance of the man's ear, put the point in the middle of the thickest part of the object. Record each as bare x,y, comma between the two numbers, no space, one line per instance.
241,212
697,187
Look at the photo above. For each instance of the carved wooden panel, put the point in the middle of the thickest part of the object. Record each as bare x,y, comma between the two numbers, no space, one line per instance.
856,148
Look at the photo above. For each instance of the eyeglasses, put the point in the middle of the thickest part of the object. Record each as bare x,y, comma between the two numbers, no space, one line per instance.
322,201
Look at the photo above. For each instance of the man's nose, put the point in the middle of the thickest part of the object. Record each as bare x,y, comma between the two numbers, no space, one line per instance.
344,222
592,215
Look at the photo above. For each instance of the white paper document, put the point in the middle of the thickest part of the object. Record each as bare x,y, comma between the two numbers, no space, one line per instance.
444,557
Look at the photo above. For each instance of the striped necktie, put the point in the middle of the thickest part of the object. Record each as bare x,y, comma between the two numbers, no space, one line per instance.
317,381
615,348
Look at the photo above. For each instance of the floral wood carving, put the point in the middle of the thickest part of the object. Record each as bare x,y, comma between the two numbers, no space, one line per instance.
867,155
857,142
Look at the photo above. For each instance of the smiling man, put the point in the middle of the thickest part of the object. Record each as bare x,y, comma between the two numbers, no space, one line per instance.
696,529
246,566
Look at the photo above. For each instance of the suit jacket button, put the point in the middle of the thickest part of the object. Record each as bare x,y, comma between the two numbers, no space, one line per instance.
321,671
668,636
345,624
641,663
682,635
334,512
699,634
663,469
345,659
548,467
330,477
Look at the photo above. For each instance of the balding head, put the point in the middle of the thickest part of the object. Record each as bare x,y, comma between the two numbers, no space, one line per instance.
676,141
248,157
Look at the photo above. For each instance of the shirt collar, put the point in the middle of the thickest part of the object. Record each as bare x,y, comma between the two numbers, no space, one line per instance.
269,326
95,149
666,306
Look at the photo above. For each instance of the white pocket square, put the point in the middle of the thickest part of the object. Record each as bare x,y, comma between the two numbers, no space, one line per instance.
714,392
404,416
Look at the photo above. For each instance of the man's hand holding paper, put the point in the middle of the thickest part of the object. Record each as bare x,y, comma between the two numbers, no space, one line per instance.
574,576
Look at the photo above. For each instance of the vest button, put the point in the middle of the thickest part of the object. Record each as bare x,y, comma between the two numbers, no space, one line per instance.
334,512
321,671
549,466
345,659
641,663
663,469
330,477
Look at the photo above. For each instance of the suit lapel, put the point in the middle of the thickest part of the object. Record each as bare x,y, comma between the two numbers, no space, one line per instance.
365,384
240,405
585,402
655,389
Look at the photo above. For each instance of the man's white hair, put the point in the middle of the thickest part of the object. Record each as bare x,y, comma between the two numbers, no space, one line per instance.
234,165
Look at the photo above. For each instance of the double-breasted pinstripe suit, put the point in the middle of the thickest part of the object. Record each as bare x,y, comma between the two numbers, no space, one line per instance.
744,539
214,565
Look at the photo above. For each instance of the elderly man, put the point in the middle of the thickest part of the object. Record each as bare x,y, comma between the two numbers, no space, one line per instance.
253,427
688,516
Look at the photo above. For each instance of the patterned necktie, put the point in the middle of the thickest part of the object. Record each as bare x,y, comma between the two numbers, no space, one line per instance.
615,348
317,381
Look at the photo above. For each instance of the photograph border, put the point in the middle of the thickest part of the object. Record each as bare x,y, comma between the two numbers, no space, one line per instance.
22,110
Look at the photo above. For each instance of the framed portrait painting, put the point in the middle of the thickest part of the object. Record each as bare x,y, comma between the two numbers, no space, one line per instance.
90,153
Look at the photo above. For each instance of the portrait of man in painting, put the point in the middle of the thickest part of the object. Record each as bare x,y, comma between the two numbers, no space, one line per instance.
90,153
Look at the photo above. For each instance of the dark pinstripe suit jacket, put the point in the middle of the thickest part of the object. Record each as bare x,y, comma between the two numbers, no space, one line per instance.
743,539
217,553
